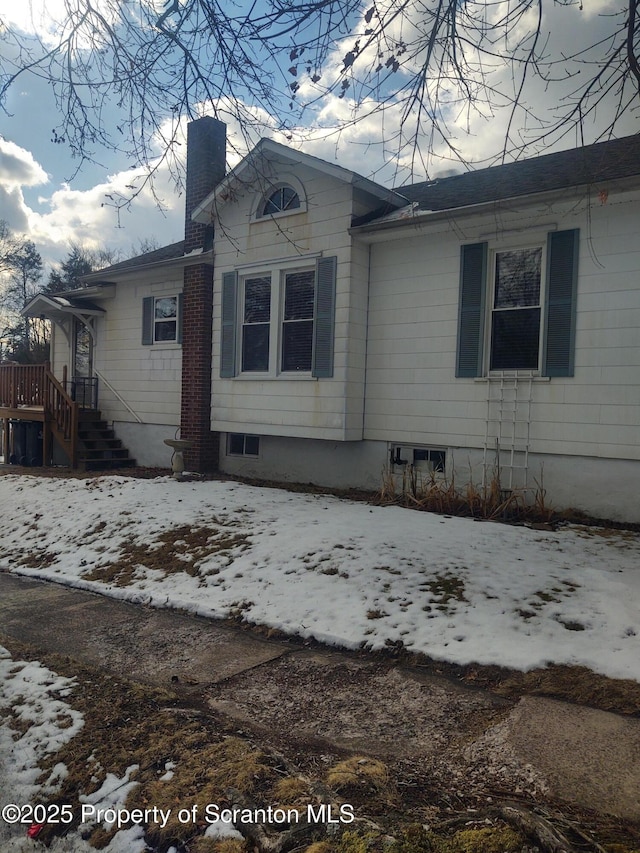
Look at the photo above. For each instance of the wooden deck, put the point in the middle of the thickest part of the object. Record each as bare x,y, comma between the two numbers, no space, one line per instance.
30,392
23,413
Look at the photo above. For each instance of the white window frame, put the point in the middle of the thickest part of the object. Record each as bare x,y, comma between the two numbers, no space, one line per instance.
292,183
157,320
494,251
244,437
277,272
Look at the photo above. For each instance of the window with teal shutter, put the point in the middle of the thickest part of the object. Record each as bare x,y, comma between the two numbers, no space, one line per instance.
162,319
228,330
279,321
531,313
473,283
560,327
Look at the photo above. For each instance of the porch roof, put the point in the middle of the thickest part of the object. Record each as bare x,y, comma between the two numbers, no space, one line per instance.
60,308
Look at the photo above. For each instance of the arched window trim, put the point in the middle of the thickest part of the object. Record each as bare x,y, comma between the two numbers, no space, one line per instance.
289,182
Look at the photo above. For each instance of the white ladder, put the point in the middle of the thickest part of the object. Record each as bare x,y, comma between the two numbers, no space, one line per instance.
507,429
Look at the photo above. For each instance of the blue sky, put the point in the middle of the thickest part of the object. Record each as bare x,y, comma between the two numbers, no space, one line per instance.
46,197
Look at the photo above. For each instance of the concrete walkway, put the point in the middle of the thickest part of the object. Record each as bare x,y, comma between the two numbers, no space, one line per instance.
292,695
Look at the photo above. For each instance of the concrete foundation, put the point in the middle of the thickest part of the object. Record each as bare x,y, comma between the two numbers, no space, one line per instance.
145,442
604,488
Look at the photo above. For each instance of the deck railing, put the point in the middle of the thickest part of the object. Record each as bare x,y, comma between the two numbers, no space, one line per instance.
22,385
63,412
34,385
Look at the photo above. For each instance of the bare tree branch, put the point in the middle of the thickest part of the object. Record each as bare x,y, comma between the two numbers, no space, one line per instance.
426,70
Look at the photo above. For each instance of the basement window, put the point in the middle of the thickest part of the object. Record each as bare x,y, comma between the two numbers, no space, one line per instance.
429,459
241,444
433,460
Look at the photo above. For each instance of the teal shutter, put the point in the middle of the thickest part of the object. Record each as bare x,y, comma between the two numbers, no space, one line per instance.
147,321
228,331
324,318
180,316
562,283
473,285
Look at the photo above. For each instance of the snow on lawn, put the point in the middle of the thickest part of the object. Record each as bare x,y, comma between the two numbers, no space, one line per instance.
343,572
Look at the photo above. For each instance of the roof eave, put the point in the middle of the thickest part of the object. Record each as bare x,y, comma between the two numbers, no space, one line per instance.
183,261
423,217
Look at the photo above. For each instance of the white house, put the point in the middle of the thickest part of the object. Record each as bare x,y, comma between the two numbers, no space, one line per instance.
318,327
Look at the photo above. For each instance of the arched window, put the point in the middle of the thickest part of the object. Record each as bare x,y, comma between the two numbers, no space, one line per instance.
281,200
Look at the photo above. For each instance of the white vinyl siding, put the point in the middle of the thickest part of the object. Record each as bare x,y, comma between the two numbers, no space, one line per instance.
413,395
147,378
293,403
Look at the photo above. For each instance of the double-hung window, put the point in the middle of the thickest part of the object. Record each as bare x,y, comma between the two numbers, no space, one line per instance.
517,307
256,323
515,314
162,319
279,320
297,320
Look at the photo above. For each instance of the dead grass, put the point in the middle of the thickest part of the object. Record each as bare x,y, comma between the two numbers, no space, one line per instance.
127,723
180,549
444,589
490,501
359,772
36,559
291,791
575,684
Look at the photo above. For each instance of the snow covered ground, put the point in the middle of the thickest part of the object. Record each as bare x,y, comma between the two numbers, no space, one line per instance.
343,572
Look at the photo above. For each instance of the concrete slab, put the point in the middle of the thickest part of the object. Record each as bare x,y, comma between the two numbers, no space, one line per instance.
154,646
357,705
589,757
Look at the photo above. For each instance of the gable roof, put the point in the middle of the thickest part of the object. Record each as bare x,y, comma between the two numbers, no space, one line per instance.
591,164
603,161
269,151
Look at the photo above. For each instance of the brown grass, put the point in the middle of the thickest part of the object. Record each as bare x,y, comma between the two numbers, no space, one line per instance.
180,549
359,772
127,723
575,684
440,495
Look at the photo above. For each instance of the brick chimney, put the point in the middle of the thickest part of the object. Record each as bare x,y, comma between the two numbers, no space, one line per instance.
206,166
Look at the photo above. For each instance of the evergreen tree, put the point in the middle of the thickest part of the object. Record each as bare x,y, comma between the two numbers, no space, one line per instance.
26,338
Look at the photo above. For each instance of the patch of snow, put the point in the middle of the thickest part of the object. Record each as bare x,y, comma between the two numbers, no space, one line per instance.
343,572
32,692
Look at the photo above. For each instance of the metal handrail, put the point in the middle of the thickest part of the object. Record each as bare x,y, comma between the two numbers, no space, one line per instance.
119,397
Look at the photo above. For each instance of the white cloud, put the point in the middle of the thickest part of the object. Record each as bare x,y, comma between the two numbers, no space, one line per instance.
89,217
46,19
18,166
372,141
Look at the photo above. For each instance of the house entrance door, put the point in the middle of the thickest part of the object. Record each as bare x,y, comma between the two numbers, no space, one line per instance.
84,383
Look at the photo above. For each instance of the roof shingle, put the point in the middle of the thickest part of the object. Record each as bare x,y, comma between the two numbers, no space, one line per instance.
603,161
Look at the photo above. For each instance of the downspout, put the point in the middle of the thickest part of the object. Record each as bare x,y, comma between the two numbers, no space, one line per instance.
366,341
